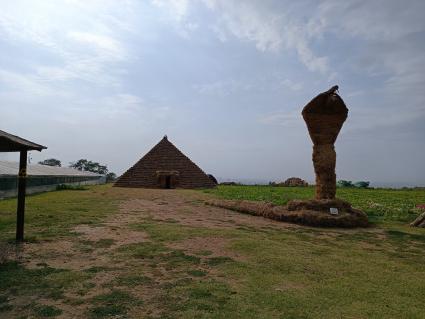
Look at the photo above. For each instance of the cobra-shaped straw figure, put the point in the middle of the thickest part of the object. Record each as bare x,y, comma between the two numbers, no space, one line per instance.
324,116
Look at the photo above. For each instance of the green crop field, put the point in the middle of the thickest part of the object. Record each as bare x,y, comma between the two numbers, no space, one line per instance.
380,204
133,253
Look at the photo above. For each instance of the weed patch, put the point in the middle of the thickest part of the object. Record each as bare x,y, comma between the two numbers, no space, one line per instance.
132,280
145,250
178,258
4,304
70,187
47,282
197,273
45,311
402,236
116,303
104,243
214,261
96,269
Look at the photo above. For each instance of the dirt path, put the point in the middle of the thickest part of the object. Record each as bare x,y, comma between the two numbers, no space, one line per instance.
188,208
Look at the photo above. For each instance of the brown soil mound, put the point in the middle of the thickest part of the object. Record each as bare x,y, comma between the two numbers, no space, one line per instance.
312,212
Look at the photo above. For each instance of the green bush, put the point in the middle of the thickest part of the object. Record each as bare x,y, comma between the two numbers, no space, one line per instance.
62,187
362,184
344,183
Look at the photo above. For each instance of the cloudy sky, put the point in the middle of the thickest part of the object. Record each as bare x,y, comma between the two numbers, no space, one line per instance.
226,80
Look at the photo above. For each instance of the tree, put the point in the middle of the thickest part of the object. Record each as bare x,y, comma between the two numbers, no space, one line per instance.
51,162
344,183
80,164
89,166
362,184
110,177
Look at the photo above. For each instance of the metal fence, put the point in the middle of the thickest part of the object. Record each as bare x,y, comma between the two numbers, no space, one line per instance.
11,182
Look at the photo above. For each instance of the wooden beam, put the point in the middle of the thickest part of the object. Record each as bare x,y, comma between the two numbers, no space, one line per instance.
22,183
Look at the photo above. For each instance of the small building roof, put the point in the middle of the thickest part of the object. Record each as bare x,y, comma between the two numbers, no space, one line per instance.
12,168
13,143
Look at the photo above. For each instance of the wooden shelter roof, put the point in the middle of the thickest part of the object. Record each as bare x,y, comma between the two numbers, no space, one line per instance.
13,143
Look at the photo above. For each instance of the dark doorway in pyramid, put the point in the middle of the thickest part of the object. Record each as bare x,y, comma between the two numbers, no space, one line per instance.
167,179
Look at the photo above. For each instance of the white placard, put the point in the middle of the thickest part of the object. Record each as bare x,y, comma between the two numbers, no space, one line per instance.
333,211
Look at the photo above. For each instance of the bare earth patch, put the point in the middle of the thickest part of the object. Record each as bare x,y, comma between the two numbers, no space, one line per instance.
212,246
189,210
118,234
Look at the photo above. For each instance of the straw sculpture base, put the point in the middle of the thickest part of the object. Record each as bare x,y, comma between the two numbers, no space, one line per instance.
419,222
310,212
324,160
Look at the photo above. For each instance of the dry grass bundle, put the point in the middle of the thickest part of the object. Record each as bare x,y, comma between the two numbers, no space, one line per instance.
420,221
311,213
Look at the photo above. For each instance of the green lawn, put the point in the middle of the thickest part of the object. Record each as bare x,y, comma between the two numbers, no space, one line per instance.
264,270
52,214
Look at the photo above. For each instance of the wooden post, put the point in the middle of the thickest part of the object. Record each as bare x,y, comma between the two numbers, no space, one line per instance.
22,183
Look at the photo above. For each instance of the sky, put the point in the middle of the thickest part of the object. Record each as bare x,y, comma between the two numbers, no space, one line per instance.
226,80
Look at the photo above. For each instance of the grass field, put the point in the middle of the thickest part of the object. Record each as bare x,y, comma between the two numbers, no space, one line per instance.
131,253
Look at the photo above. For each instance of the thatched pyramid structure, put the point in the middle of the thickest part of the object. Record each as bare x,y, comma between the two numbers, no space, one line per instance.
164,166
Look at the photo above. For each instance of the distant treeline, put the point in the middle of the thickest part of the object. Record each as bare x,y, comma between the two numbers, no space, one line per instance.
360,184
83,165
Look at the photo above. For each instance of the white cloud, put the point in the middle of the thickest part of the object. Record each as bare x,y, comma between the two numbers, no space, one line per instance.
176,12
55,28
383,26
294,86
246,23
268,30
372,119
223,88
178,9
297,39
289,119
21,86
125,107
381,20
253,22
105,45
